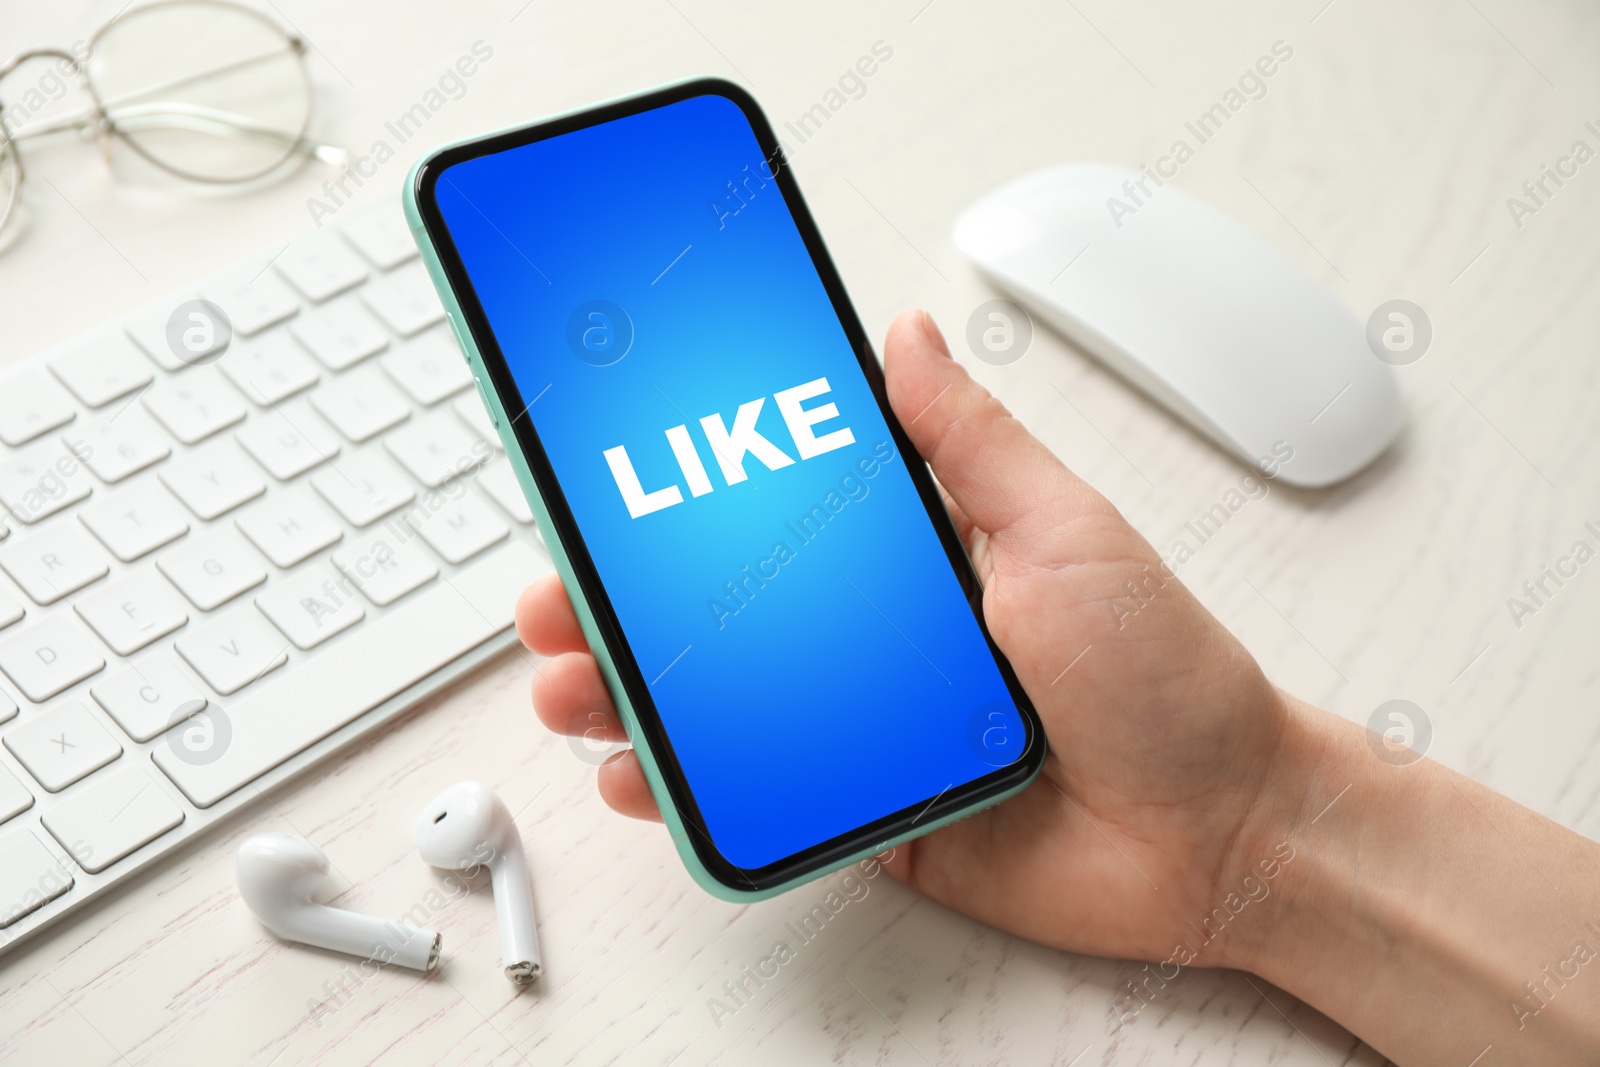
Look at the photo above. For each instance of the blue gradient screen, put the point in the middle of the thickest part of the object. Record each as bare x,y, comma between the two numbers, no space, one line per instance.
808,647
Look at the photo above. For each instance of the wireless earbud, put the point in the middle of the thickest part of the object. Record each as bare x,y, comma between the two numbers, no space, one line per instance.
278,873
468,826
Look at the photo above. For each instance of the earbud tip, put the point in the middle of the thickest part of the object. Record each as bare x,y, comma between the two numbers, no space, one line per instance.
523,973
434,953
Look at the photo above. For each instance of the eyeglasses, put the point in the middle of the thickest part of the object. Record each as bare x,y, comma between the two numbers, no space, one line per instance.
207,90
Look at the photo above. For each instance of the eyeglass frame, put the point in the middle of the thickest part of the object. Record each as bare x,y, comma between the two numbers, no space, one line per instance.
97,120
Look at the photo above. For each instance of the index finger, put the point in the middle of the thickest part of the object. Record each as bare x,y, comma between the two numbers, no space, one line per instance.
545,619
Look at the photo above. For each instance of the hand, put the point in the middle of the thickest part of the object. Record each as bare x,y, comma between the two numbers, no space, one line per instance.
1411,912
1163,731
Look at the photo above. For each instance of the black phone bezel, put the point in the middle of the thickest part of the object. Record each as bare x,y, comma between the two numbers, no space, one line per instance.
887,828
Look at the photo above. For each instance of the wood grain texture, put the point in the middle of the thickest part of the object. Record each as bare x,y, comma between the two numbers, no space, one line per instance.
1380,157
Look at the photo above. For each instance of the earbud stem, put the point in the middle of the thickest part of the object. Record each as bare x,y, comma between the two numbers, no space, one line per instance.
366,936
513,901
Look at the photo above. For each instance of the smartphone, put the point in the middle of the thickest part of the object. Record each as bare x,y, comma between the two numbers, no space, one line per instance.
760,561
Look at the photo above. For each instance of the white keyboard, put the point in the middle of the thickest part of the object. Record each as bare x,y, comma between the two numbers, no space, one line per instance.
214,574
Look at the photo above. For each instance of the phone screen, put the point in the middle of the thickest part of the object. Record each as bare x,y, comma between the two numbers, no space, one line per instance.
800,629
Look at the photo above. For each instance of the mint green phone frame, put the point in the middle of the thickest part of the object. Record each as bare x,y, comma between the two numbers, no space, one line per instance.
1006,782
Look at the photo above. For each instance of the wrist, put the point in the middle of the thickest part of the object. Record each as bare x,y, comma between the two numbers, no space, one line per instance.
1276,867
1414,894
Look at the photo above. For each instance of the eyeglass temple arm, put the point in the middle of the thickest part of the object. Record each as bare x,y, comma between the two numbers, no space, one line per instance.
91,118
201,75
210,120
296,47
185,116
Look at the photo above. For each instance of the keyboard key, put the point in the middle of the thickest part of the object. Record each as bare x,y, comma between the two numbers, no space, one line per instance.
144,698
288,441
340,335
52,564
361,404
48,657
136,521
269,368
499,481
127,443
290,527
14,796
363,488
215,481
436,448
405,300
195,406
61,745
254,299
311,606
234,651
119,812
131,612
382,236
320,266
213,568
469,409
428,367
32,404
406,644
30,877
10,612
459,530
148,329
8,707
101,369
41,480
385,569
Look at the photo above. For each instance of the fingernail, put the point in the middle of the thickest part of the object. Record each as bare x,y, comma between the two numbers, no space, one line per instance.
930,330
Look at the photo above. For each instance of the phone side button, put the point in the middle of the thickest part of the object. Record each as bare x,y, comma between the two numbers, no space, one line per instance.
483,395
461,337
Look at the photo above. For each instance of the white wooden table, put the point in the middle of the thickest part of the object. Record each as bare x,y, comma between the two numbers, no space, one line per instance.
1381,156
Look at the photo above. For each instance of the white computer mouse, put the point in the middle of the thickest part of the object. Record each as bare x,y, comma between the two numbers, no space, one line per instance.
1189,305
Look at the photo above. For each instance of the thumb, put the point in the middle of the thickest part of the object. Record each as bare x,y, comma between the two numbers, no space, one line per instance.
1006,481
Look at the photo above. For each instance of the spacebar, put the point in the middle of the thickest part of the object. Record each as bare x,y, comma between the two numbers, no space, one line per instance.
314,698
